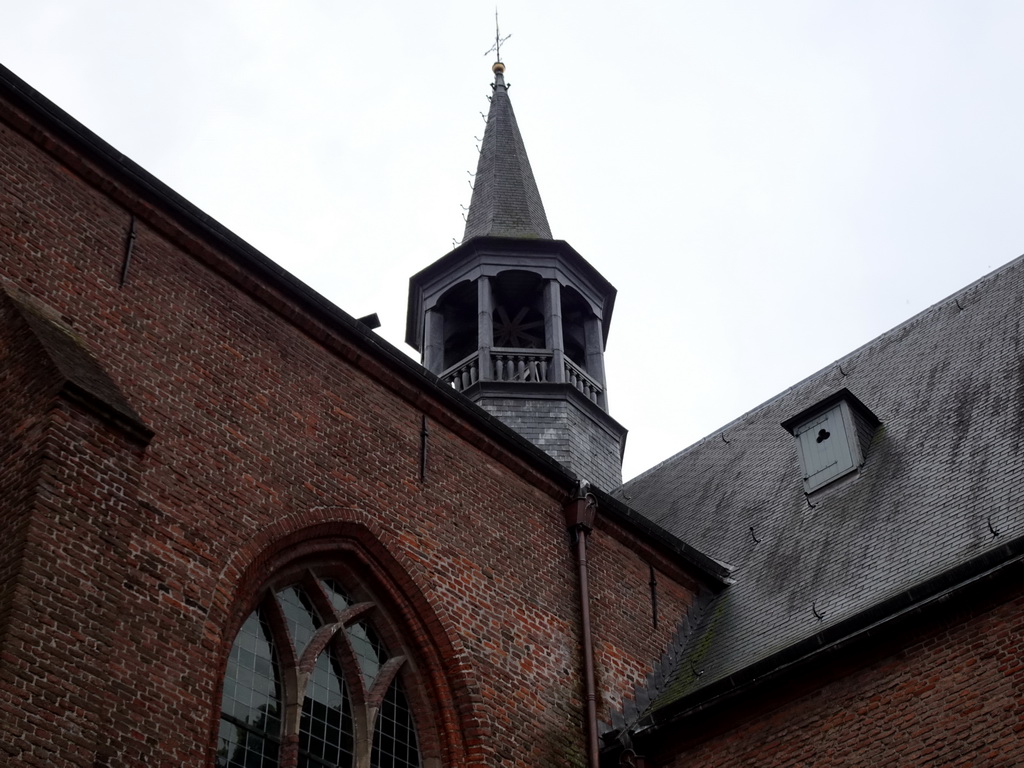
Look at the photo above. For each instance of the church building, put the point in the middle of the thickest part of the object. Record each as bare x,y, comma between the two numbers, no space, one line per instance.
242,530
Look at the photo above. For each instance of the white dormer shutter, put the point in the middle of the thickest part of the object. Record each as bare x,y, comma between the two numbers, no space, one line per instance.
826,447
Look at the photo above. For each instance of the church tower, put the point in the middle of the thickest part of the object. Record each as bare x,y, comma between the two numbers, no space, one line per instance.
516,320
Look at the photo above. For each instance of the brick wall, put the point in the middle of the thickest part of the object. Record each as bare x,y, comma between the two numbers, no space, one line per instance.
627,639
952,697
25,392
134,564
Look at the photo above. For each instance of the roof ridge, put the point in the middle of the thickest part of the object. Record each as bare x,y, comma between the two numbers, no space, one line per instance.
912,320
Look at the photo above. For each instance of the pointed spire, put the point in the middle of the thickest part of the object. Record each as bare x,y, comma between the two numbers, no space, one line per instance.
506,201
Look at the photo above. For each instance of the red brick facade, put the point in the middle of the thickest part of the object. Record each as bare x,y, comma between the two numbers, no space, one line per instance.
182,430
947,691
280,435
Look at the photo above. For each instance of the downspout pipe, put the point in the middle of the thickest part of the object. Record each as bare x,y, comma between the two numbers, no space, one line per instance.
579,518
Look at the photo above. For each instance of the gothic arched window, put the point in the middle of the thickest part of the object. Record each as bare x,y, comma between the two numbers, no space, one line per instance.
309,667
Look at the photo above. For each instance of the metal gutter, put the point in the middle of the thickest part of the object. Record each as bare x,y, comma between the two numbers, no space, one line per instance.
1003,562
580,513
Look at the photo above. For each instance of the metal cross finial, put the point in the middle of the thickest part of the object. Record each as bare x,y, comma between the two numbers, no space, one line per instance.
498,39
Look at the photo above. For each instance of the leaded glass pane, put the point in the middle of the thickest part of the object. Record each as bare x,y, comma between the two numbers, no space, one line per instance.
251,704
303,620
238,747
326,733
369,650
339,598
394,738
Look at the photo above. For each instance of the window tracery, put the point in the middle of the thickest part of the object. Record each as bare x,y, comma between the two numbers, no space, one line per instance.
310,649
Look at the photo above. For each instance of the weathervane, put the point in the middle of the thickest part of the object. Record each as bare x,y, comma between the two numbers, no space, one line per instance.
498,39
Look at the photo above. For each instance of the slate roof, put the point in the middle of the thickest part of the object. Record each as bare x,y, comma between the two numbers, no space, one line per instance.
506,201
940,489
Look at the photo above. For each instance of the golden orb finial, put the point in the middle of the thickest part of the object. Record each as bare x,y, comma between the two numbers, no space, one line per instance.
498,68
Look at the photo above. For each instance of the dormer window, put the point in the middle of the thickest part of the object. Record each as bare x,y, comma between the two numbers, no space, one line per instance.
832,438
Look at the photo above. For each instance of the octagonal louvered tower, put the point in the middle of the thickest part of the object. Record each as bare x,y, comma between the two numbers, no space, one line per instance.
516,320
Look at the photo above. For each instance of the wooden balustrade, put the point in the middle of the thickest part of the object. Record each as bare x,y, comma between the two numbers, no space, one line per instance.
463,374
582,382
519,365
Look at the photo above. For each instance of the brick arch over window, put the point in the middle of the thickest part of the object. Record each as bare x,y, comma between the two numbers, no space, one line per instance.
298,571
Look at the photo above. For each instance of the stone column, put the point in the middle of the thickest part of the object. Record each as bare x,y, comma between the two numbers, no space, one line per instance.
485,326
595,355
433,342
553,330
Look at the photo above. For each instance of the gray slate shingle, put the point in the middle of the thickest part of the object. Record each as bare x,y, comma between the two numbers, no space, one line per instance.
506,201
947,460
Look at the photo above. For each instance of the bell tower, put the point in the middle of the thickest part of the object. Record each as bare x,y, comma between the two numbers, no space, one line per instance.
516,320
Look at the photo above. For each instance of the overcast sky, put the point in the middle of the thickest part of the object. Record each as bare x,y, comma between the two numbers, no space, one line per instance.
769,185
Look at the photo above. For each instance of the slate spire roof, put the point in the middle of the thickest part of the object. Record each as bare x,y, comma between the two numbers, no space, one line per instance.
506,201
